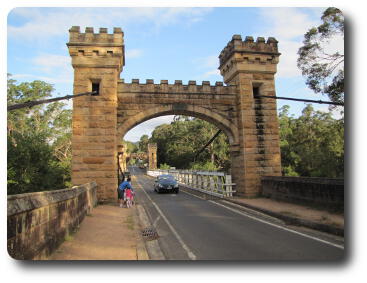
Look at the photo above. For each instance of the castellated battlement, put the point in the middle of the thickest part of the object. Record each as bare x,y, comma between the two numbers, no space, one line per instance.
177,88
90,38
252,49
101,49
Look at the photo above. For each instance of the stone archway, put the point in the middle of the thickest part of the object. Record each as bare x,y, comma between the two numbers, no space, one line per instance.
248,68
195,111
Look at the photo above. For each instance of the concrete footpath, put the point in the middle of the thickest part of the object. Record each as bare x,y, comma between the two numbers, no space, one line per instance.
108,233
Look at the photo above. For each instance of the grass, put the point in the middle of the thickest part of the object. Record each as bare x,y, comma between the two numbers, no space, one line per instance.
288,213
68,238
129,221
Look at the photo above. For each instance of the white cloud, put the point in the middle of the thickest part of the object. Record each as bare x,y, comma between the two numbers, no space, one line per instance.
48,62
147,127
133,53
210,73
211,61
51,80
44,22
208,66
287,25
55,68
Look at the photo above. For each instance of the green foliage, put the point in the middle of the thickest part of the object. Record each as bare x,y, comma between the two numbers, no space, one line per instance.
164,166
179,141
143,143
39,140
312,145
324,69
131,147
205,166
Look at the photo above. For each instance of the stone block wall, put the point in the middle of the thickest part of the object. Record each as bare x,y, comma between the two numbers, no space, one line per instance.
39,222
97,59
318,192
251,66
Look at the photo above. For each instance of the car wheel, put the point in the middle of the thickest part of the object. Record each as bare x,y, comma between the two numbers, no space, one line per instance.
176,191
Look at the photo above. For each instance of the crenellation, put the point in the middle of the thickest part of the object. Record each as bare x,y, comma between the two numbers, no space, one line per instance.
192,87
90,38
248,46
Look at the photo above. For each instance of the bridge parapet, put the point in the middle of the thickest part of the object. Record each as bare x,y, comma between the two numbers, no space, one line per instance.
177,88
39,222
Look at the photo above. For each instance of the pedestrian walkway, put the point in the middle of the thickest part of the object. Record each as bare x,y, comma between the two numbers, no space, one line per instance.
304,215
108,233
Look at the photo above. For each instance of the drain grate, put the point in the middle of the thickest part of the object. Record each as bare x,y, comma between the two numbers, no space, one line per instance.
149,234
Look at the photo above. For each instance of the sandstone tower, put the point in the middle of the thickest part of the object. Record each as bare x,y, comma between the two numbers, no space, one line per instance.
97,59
152,156
251,66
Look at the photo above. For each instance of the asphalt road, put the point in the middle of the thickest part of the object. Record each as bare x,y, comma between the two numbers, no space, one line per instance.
193,228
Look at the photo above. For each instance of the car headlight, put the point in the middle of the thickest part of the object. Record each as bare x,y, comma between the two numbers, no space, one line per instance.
160,185
175,186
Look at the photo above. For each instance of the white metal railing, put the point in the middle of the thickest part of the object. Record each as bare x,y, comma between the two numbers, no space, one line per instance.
211,182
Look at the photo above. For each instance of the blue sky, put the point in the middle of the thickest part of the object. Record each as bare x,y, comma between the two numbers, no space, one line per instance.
161,43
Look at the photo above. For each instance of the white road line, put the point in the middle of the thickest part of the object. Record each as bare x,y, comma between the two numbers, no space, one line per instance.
156,220
190,254
280,227
272,224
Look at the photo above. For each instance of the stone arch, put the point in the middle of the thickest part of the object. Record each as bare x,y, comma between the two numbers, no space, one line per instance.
189,110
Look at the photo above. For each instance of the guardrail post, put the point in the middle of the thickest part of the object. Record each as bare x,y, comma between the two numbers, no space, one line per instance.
228,186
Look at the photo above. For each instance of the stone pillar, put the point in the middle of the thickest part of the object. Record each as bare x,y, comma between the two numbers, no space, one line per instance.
121,159
97,59
152,156
251,66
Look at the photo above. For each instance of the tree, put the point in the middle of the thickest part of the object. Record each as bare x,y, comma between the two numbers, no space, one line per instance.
143,143
322,66
39,140
312,145
179,142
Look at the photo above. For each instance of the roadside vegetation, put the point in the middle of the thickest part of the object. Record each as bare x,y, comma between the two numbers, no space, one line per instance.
38,140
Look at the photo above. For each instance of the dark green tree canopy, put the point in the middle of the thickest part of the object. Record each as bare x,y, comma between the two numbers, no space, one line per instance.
322,66
179,142
38,140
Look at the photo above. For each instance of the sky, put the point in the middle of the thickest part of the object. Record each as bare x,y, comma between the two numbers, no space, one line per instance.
161,43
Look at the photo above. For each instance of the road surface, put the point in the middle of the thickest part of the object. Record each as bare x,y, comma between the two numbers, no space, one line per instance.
191,227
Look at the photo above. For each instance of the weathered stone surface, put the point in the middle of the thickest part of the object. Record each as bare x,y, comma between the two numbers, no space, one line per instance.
38,222
319,192
100,121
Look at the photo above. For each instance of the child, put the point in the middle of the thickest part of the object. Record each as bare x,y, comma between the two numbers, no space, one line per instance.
121,191
129,197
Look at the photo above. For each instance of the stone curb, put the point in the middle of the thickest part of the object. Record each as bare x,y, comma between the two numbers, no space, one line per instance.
294,220
141,251
152,248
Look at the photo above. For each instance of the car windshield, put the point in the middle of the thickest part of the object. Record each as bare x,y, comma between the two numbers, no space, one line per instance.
166,177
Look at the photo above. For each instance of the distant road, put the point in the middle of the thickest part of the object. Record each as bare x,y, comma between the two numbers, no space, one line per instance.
191,227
